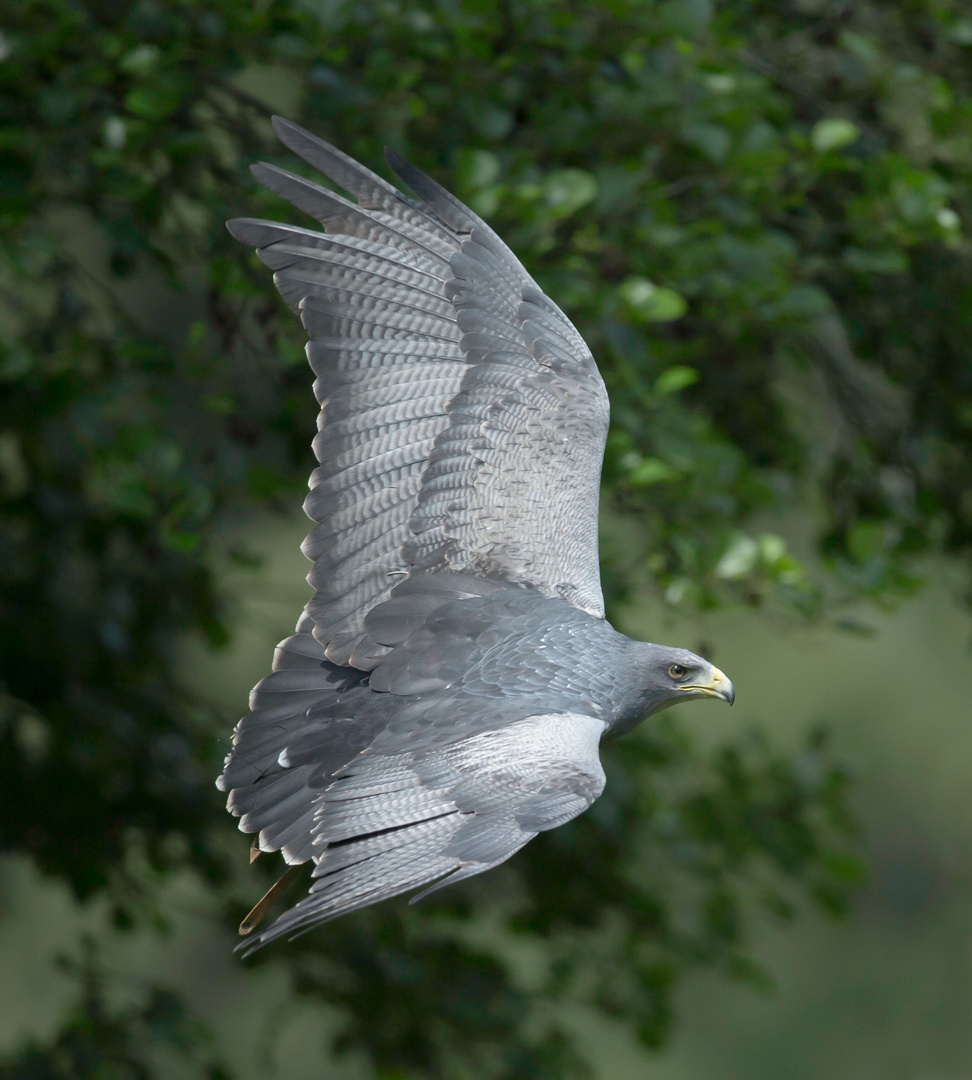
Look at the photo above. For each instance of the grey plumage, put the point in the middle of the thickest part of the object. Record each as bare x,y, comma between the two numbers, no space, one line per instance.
444,695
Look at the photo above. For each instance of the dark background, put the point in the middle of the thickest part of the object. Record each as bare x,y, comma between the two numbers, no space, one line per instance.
756,214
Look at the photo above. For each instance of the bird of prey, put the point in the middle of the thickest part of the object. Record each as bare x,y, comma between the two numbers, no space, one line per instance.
445,693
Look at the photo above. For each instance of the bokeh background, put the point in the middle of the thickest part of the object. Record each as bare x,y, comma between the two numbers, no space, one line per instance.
757,215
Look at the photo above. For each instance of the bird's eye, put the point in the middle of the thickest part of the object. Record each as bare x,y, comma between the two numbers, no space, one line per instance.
676,671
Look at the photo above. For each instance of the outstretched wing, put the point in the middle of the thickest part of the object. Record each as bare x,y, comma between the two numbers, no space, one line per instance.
389,823
462,419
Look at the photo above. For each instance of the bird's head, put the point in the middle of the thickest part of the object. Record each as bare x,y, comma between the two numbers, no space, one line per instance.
679,675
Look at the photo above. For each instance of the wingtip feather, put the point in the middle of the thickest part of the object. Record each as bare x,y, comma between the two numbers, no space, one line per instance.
281,126
245,230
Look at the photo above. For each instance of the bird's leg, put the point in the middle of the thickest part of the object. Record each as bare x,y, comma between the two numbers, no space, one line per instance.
272,895
255,849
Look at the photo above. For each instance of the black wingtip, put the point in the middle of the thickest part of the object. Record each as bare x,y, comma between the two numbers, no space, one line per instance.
409,174
237,228
404,170
249,231
437,200
286,130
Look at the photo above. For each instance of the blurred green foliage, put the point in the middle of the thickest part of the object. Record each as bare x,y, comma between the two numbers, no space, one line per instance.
754,212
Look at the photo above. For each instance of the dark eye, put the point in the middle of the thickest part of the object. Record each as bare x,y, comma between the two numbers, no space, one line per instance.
676,671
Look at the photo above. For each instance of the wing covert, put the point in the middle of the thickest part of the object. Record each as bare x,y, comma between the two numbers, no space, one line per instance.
393,822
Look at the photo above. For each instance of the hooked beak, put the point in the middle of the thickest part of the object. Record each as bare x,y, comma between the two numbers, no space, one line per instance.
718,685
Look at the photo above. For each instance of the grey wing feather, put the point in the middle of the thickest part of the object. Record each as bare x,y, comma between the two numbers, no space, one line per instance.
270,794
462,417
460,440
394,822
